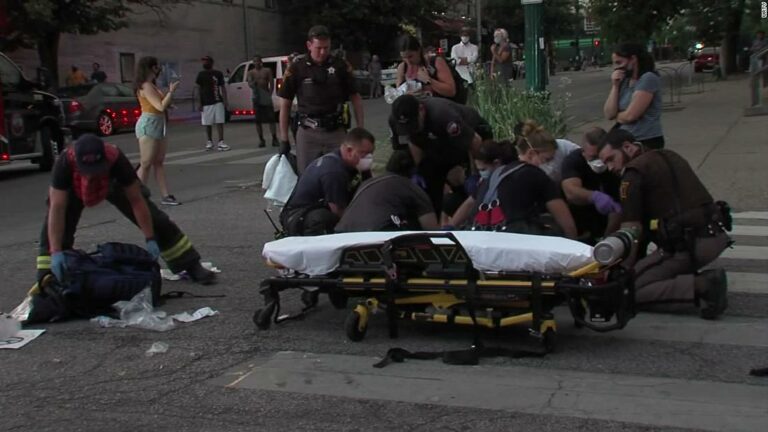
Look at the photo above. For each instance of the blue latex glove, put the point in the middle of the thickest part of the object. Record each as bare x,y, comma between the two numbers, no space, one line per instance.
58,265
419,181
153,249
604,203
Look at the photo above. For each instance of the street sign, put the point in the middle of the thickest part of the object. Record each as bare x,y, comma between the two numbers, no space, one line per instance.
444,44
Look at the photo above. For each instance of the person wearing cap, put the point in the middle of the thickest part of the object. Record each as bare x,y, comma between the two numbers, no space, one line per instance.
213,102
663,199
440,134
324,191
591,191
322,85
465,54
90,172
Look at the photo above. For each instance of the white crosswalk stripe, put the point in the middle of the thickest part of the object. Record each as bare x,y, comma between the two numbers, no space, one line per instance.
254,156
748,228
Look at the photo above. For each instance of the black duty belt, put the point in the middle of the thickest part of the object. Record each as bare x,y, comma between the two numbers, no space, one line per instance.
328,122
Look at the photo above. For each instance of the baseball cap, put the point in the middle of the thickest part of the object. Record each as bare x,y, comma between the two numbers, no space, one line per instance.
405,115
90,156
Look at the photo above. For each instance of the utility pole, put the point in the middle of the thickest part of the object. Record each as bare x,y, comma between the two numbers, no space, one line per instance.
478,17
245,30
535,70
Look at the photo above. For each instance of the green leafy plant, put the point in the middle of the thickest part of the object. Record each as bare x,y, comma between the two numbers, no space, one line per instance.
504,106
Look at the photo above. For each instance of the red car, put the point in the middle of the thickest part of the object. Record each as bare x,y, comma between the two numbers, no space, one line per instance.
706,59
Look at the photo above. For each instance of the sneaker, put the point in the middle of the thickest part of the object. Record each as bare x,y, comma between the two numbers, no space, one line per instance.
715,295
169,200
209,145
201,275
262,144
222,146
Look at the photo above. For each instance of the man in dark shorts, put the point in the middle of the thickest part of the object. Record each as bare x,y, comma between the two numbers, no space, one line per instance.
261,81
89,172
390,202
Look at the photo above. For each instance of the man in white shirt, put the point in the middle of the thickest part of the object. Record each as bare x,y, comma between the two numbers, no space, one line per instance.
464,54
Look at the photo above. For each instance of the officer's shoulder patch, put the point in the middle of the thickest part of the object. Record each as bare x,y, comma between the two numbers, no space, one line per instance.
624,190
453,129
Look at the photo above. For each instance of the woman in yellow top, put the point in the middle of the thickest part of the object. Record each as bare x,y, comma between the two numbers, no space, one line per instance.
150,128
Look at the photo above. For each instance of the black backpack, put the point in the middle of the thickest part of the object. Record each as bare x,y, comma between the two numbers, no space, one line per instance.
462,92
95,281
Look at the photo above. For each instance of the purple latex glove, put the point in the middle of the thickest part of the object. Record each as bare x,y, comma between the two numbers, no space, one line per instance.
419,181
604,203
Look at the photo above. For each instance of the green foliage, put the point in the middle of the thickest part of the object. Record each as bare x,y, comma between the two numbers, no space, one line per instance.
560,19
633,20
503,106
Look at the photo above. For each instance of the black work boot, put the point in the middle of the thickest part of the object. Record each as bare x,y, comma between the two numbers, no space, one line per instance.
201,275
714,292
262,143
275,141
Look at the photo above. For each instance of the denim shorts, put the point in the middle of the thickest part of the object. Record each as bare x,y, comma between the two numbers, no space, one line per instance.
151,125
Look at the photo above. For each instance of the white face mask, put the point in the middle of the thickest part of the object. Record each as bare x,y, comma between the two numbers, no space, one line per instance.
497,40
465,39
597,166
485,174
365,163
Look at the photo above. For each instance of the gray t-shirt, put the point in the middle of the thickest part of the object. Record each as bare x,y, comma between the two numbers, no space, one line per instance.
649,124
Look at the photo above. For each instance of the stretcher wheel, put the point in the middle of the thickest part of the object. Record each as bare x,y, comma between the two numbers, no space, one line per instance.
355,331
310,298
338,299
549,340
263,317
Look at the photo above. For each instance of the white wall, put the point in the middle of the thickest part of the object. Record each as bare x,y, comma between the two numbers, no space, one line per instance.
189,32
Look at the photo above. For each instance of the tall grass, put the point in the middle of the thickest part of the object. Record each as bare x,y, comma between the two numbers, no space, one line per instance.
504,105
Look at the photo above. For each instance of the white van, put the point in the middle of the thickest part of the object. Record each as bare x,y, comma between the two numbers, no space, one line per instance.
239,93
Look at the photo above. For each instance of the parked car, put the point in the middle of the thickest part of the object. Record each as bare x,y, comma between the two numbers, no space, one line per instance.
31,120
363,80
104,108
706,59
239,93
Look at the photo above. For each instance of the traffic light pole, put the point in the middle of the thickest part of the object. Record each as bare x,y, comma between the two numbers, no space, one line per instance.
535,67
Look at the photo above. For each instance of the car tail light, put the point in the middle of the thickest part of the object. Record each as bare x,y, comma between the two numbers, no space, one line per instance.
111,113
5,157
136,112
279,83
75,106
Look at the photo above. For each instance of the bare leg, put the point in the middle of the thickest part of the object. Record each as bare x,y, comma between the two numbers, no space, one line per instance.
220,131
260,131
209,132
147,150
159,164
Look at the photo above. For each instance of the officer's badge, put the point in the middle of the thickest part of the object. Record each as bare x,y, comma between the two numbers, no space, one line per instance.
453,129
623,190
331,70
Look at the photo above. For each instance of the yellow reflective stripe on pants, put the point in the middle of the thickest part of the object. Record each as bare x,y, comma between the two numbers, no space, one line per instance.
43,262
177,250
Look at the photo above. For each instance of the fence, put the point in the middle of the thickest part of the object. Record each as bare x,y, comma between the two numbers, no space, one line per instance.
758,74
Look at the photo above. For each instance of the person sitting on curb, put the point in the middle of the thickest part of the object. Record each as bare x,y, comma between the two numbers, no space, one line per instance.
86,174
327,185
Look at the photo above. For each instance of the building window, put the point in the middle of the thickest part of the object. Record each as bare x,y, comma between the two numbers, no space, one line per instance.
127,65
270,4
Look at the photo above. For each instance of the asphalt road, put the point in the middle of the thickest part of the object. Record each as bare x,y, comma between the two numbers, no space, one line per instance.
662,372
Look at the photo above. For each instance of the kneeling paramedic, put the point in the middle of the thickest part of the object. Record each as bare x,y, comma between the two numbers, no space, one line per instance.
327,186
662,197
89,172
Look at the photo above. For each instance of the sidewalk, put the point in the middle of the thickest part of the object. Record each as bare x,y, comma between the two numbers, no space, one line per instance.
728,150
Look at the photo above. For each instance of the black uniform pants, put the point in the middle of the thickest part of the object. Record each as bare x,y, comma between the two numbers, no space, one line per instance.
175,248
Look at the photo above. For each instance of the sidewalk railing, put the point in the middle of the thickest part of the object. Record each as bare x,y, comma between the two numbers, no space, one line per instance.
675,78
758,71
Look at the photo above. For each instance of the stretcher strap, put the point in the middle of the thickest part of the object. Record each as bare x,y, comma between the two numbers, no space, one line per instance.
760,372
468,357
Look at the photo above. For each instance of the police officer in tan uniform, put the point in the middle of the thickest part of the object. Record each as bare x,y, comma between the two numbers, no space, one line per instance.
323,84
661,197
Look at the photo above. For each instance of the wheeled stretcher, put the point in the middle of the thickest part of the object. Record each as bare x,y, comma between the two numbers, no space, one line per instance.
485,279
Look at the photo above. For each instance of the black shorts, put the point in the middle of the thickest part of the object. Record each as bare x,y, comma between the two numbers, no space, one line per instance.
264,113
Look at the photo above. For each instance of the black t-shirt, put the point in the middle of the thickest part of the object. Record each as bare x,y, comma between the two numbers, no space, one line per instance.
381,197
211,83
326,180
121,172
99,76
524,193
586,217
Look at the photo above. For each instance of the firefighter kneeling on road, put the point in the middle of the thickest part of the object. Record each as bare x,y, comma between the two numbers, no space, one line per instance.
660,193
89,172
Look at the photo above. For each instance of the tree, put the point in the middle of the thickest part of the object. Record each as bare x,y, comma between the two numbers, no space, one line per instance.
372,24
633,20
40,23
718,22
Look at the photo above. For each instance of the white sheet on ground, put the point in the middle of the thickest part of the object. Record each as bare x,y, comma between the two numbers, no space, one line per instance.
489,251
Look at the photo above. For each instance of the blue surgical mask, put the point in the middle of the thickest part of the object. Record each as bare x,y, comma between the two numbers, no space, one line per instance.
485,174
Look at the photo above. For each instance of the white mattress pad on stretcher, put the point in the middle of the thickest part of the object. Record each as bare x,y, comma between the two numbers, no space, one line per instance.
489,251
